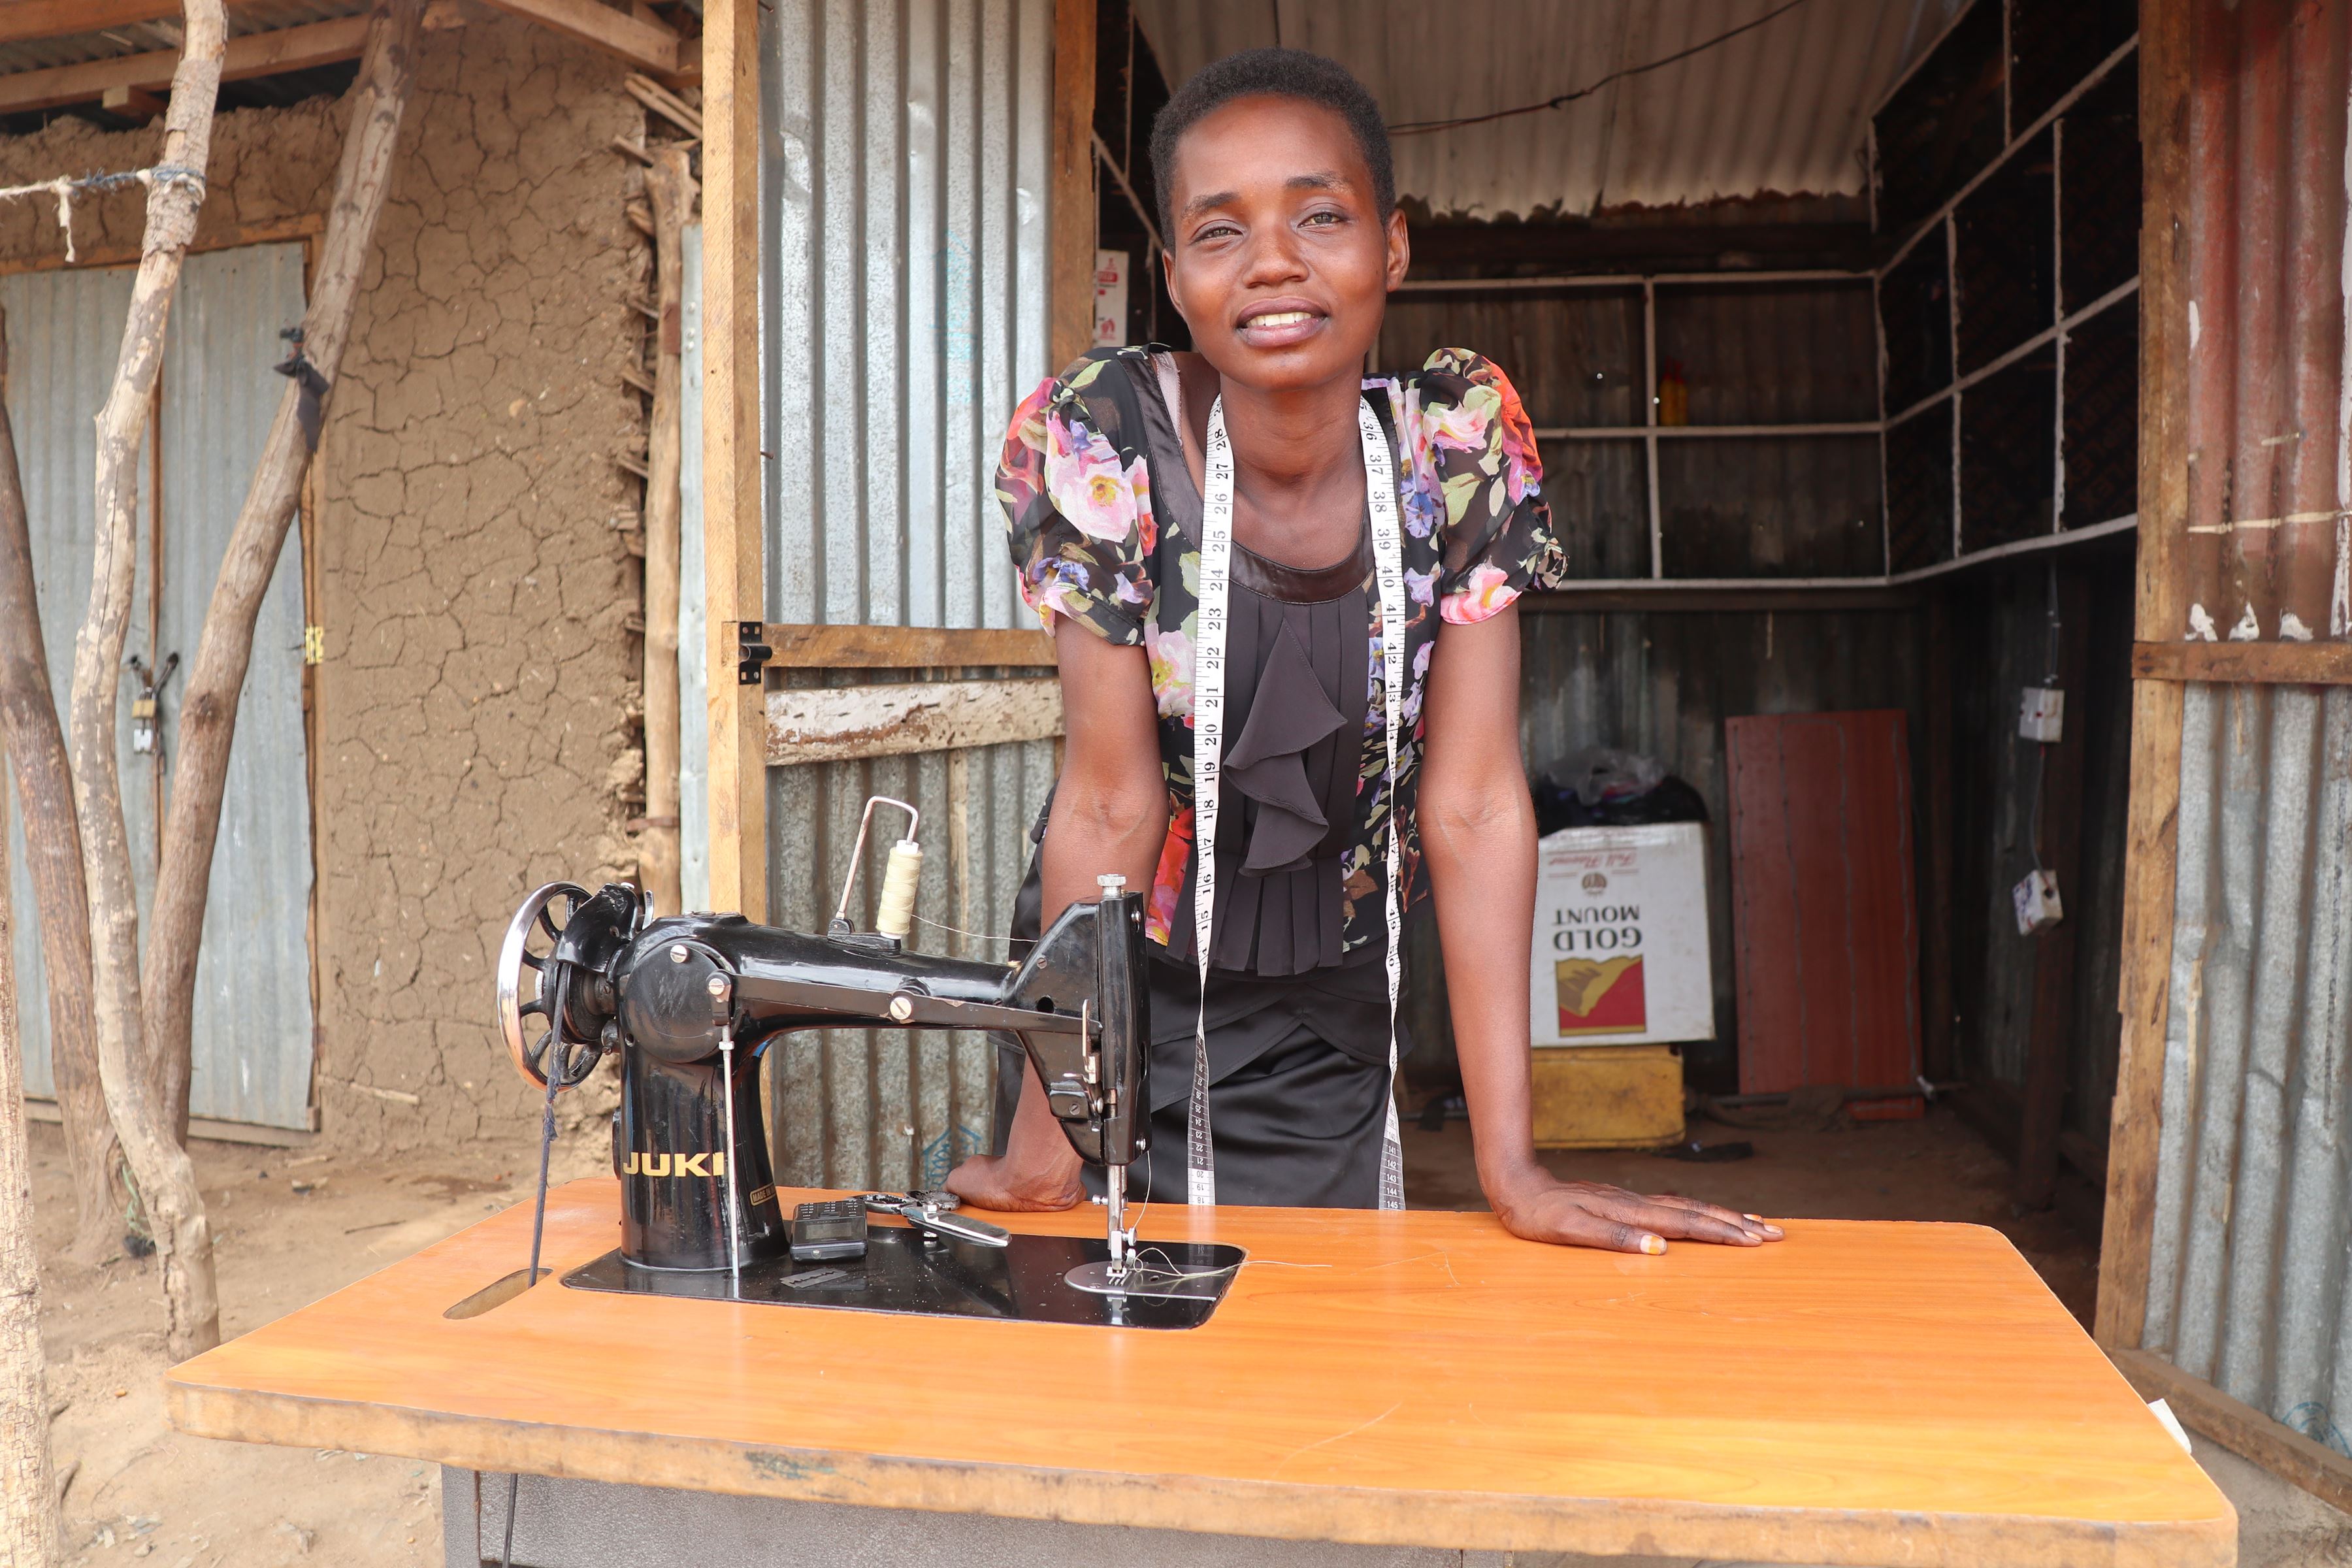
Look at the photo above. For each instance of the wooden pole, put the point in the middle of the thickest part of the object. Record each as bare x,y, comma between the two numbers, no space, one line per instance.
208,709
2149,852
1071,292
28,1489
36,744
669,187
734,585
1935,926
167,1182
2048,1054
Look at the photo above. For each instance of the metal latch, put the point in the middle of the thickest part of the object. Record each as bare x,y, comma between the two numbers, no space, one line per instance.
751,652
146,709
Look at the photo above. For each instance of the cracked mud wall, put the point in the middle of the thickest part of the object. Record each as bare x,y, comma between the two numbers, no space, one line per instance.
469,732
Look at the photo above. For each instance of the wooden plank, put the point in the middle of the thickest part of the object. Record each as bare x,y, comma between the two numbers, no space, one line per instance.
271,231
2241,1428
2049,1035
2135,1123
1765,596
839,724
1905,1392
1071,292
734,583
1824,922
643,43
253,55
905,647
2249,663
2144,996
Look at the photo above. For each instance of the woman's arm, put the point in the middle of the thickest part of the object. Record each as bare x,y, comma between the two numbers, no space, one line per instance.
1110,815
1478,837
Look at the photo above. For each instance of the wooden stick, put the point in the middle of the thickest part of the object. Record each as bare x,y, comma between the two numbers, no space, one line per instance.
671,185
36,744
28,1489
665,103
143,1116
208,709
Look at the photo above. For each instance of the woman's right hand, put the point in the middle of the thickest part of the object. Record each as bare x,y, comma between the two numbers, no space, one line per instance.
1005,1183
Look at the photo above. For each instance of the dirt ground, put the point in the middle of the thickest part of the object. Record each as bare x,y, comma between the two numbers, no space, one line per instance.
293,1228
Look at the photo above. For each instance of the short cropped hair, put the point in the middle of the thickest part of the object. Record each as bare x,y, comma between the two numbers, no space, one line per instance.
1274,73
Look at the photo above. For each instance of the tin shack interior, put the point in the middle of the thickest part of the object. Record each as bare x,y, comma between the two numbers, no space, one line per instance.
1837,398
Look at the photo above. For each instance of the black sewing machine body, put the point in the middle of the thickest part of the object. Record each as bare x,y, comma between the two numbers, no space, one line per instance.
690,1002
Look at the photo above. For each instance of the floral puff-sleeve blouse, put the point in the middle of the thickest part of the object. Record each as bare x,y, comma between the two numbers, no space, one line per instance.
1078,497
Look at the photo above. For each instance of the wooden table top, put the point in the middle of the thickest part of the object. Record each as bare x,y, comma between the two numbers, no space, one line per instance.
1857,1394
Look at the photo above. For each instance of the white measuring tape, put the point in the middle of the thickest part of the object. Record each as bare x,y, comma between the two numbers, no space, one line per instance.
1208,757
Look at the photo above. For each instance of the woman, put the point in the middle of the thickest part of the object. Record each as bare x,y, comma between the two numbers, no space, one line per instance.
1347,502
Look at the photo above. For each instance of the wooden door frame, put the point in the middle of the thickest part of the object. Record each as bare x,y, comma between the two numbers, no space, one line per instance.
734,575
2162,666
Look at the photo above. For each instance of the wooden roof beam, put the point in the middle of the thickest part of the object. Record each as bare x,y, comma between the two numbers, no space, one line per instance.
255,54
643,43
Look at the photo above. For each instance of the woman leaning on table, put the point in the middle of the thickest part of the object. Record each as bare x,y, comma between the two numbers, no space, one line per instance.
1284,239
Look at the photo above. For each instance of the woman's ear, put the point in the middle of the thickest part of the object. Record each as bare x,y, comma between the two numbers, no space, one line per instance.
1400,250
1168,272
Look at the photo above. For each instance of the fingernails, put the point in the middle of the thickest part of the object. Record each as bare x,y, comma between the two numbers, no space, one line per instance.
1654,1244
1757,1217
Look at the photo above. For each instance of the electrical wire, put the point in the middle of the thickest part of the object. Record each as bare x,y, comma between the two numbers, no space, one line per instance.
1427,127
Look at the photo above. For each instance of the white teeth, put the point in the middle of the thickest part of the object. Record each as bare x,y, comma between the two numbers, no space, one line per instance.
1280,319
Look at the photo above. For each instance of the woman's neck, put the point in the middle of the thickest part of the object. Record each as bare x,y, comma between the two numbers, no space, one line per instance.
1298,475
1292,446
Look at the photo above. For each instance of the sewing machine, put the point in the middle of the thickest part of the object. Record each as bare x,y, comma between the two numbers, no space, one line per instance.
690,1002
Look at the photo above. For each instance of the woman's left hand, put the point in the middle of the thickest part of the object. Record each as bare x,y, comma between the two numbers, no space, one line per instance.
1539,1206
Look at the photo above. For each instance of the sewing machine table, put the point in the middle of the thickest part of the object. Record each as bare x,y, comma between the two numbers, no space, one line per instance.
1400,1388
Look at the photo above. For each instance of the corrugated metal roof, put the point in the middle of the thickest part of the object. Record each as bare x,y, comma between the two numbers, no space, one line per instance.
146,38
1785,108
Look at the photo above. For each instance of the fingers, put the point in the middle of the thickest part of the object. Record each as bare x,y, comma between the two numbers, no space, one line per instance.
1754,1224
1574,1224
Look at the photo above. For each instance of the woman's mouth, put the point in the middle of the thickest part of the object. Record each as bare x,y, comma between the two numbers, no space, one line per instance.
1280,328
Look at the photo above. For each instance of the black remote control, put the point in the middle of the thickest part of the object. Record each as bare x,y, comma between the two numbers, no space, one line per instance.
825,1231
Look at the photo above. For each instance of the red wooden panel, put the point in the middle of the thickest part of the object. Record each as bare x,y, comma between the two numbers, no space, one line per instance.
1824,934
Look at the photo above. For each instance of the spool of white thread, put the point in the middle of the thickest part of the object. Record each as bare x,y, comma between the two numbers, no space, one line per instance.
895,916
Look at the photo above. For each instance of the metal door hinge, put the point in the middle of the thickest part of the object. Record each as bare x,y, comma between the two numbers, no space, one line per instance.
751,652
314,644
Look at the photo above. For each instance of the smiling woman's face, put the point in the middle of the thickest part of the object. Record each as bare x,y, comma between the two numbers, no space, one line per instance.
1278,256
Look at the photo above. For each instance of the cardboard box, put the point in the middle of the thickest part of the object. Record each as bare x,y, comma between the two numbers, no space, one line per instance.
1609,1097
1620,941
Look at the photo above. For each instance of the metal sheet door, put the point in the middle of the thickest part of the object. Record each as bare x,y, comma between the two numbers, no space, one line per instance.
254,1045
64,329
253,1029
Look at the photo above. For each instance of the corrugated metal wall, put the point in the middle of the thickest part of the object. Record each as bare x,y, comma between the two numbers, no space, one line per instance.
904,315
253,1030
2254,1212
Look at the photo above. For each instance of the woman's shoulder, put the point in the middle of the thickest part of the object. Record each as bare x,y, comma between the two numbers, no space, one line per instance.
1451,375
1099,372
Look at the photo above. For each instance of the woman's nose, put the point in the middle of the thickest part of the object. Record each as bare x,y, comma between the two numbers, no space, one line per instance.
1273,258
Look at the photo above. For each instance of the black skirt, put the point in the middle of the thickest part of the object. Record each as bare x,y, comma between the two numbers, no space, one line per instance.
1298,1081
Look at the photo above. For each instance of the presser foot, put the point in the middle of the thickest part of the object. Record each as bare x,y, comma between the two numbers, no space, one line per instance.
1155,1272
